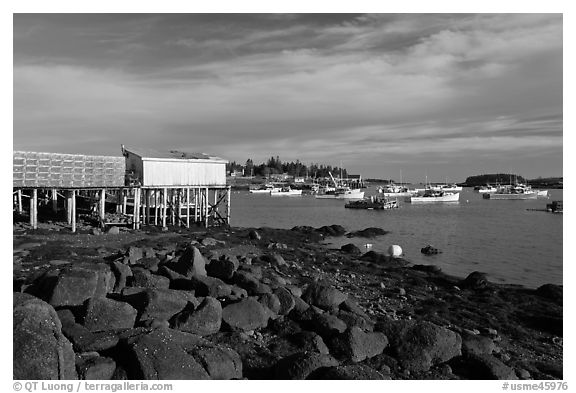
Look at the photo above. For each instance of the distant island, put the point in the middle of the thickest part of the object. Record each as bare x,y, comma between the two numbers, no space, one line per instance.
274,166
507,178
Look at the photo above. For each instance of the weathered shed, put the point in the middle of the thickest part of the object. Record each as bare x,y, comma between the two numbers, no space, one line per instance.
151,168
55,170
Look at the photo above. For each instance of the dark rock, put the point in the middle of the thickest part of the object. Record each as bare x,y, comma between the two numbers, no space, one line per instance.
122,272
208,286
332,230
551,368
107,314
191,263
475,344
301,365
203,320
351,371
237,293
40,350
482,367
552,292
271,302
150,263
350,305
134,254
170,274
427,268
350,249
430,250
475,280
382,259
222,268
309,342
323,296
220,362
246,281
144,279
247,314
300,306
328,325
95,367
274,259
294,290
357,345
164,354
287,301
420,345
160,303
368,233
83,340
352,319
255,271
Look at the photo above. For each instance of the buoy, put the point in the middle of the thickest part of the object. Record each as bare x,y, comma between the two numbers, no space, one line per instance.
395,251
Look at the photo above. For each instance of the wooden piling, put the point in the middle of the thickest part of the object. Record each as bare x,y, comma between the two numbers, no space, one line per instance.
124,202
102,205
69,208
34,209
54,200
164,207
155,207
20,206
73,210
187,207
228,206
206,208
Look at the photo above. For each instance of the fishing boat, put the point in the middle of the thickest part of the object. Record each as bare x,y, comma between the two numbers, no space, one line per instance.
394,190
446,187
435,196
512,192
263,189
485,189
541,193
285,191
373,203
342,193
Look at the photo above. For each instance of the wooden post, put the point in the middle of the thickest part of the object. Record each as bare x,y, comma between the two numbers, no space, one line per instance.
228,206
34,209
124,201
137,206
155,207
215,207
102,205
172,210
196,205
178,206
54,201
20,206
187,207
147,211
206,208
73,210
165,202
69,208
134,212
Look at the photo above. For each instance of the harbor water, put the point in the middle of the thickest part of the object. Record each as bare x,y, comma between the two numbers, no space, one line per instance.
508,240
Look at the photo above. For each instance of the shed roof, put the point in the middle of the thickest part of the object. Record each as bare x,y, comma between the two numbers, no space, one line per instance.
172,154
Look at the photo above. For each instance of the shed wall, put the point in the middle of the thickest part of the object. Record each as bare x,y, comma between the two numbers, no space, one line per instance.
35,169
185,173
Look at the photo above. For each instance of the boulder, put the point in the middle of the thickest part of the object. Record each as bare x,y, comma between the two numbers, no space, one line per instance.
113,231
164,354
40,350
475,344
274,259
202,320
107,314
223,268
144,279
247,314
475,280
250,283
270,301
356,345
323,296
309,342
122,272
552,292
220,362
350,248
160,303
483,367
95,367
134,254
352,319
207,286
368,233
191,263
328,325
302,364
150,263
254,235
420,345
430,250
286,299
351,371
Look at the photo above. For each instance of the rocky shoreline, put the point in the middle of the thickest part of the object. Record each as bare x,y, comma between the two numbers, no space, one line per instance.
245,303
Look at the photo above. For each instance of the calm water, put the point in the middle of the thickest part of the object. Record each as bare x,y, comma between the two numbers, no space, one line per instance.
501,238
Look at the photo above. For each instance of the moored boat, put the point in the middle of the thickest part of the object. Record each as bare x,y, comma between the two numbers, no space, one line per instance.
486,189
393,190
342,193
435,196
285,191
263,189
541,193
373,203
512,192
446,187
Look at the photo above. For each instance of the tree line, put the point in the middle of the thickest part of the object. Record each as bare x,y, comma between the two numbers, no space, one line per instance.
274,165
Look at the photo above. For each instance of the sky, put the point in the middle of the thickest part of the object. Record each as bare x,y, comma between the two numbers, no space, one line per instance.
445,96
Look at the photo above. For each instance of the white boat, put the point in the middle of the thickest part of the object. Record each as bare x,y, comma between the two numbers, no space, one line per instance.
446,187
342,193
394,190
541,193
512,192
285,191
435,196
487,189
263,189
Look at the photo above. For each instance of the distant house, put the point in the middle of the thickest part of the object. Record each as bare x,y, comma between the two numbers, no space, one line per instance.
152,168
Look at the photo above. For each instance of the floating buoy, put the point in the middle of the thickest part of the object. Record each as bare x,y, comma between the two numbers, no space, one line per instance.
395,251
